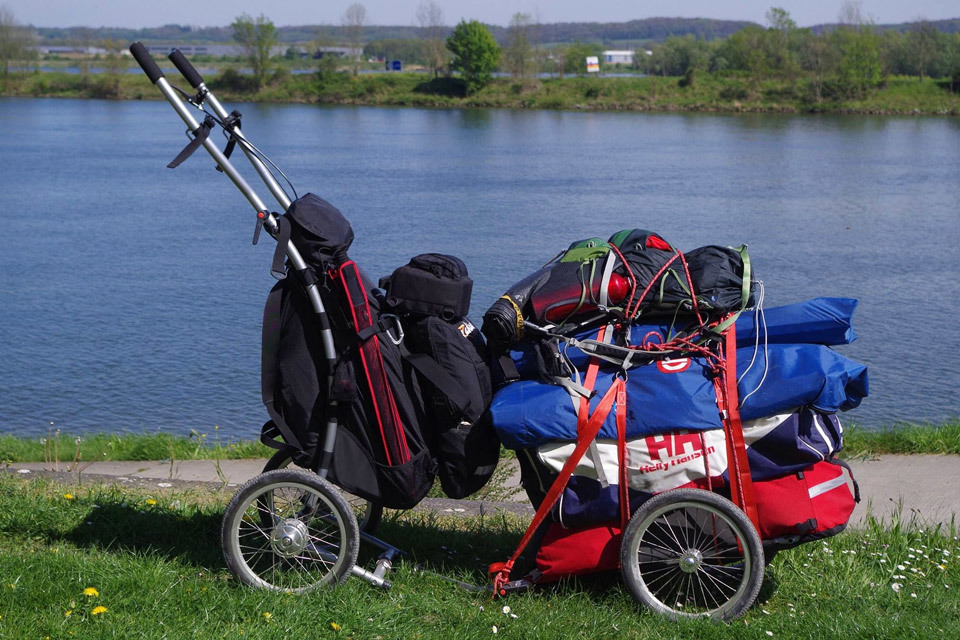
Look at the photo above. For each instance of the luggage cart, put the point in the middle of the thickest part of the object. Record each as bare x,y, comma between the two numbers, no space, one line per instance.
684,553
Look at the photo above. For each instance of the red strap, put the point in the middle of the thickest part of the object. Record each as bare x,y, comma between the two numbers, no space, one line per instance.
588,383
624,486
501,571
738,465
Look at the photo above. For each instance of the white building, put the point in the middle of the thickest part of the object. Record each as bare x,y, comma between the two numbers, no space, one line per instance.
617,57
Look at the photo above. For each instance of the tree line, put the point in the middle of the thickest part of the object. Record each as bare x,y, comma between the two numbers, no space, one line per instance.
844,62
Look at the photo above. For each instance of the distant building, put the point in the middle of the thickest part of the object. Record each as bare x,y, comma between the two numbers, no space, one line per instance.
624,56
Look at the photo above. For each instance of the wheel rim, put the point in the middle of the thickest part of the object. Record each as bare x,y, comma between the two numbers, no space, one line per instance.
692,559
303,548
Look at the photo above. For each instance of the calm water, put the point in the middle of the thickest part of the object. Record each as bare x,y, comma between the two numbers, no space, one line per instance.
130,296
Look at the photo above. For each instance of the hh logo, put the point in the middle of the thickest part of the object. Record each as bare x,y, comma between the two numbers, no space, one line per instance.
673,445
673,365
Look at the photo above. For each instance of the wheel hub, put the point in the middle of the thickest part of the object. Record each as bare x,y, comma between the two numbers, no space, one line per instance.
289,538
691,560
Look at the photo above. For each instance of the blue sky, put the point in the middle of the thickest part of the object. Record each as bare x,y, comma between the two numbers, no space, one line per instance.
144,13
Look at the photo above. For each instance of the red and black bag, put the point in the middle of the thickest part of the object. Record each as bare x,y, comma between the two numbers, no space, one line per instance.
807,505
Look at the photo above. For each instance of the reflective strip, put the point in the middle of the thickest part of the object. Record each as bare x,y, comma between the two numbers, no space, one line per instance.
482,471
829,485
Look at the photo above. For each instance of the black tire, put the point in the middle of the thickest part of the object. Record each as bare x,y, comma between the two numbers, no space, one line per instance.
690,553
369,513
313,540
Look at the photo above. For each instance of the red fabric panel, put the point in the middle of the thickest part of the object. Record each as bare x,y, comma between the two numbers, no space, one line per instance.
786,508
575,552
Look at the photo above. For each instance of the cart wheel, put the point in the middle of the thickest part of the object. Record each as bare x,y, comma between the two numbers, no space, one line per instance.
313,540
690,553
369,513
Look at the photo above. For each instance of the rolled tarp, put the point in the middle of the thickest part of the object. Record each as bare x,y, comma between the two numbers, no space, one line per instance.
679,394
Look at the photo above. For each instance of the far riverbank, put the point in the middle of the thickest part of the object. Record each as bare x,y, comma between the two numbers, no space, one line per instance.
899,95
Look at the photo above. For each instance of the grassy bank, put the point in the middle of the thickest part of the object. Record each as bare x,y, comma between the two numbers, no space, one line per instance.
150,562
900,95
905,438
65,448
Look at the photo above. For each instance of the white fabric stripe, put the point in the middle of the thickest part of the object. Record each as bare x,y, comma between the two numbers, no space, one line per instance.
829,485
823,434
816,451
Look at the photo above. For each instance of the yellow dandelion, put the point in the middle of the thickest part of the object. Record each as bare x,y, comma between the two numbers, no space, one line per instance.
68,613
267,615
98,610
151,502
90,591
335,626
68,496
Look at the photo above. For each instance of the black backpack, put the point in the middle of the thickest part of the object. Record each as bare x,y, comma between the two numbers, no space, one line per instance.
431,297
373,401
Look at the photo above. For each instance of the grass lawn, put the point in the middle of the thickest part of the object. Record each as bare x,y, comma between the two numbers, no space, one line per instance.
906,438
95,561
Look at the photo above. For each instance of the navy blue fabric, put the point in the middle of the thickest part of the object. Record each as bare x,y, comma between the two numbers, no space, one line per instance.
528,413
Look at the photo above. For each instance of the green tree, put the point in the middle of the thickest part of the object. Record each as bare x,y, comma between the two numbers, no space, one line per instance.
782,36
575,57
475,53
256,38
859,66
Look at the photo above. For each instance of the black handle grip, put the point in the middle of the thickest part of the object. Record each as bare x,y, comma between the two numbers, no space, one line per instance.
148,64
181,63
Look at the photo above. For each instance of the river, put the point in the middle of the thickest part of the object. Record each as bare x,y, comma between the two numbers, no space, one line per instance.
131,297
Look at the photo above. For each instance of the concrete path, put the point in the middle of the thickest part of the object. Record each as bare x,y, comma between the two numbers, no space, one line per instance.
924,486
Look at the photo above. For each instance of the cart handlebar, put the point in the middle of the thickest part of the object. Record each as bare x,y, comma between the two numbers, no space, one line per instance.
185,68
146,62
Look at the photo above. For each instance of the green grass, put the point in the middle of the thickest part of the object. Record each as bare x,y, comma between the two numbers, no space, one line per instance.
709,93
157,570
60,447
905,438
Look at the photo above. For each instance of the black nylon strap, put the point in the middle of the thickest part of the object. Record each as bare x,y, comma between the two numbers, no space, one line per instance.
231,122
277,269
200,134
269,368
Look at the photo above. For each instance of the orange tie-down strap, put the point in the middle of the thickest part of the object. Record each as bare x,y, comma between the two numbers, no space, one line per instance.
500,571
728,400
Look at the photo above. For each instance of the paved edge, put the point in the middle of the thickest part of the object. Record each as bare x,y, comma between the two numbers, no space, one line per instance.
921,487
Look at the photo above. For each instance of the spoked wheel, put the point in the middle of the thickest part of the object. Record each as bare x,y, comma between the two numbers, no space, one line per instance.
690,553
368,513
289,530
